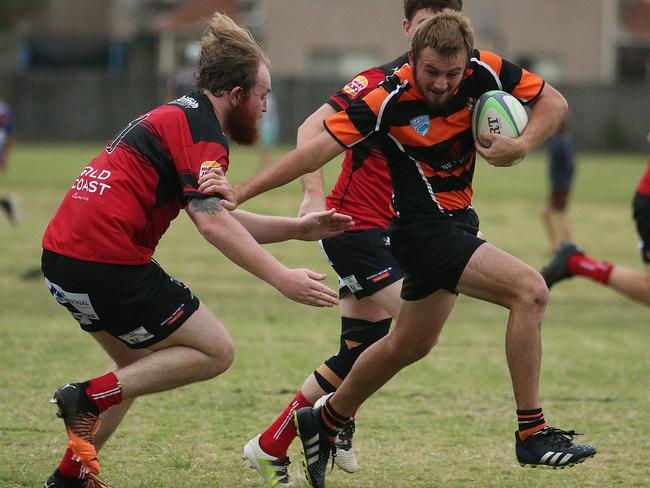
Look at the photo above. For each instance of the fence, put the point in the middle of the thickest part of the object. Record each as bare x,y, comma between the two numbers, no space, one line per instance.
75,106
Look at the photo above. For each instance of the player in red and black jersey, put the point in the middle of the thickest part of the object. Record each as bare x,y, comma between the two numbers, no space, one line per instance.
98,247
422,113
569,260
370,278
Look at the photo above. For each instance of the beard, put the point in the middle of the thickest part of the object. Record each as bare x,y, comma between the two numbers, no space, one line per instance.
242,125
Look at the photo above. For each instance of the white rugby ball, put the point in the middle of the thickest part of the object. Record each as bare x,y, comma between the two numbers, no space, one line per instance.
498,112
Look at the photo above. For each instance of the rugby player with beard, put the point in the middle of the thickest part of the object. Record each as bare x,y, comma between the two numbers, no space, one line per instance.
97,250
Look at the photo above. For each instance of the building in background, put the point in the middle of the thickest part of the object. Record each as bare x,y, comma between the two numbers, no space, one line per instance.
59,54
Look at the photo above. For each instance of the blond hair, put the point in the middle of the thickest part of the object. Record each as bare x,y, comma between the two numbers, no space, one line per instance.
230,57
448,33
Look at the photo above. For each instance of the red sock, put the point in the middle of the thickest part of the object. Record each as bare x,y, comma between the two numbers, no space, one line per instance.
582,265
276,439
105,391
71,468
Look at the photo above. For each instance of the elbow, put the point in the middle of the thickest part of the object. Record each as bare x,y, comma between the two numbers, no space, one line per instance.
207,231
563,107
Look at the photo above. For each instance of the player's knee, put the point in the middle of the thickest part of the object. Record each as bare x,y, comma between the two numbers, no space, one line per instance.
421,349
221,357
402,351
356,336
532,292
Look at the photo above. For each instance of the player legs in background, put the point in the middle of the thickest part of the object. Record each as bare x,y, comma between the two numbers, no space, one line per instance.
7,203
571,261
561,160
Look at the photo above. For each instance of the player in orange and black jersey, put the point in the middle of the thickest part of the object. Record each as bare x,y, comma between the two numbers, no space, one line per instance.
423,114
97,257
569,260
370,278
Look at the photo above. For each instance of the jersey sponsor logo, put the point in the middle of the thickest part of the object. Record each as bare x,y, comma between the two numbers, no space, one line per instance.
178,313
207,166
356,86
456,163
421,124
136,336
448,166
185,102
382,275
91,180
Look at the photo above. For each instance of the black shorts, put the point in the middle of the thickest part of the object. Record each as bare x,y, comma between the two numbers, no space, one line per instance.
433,254
363,261
140,305
641,212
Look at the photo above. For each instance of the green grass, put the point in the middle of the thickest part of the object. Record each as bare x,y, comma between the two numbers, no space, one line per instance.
446,421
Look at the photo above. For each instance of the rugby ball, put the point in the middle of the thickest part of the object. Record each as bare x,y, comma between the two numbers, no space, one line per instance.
498,112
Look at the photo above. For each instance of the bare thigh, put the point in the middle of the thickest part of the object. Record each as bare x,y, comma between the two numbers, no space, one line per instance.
381,305
202,331
495,276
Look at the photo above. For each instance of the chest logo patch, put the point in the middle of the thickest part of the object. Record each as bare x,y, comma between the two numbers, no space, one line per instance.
421,124
207,166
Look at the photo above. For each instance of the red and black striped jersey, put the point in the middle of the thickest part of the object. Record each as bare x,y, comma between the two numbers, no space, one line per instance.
363,189
124,200
644,184
430,152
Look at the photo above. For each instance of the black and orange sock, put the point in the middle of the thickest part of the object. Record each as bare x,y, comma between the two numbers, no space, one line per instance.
331,421
530,421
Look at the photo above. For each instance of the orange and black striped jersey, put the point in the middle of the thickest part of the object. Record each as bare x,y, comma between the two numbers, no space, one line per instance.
430,152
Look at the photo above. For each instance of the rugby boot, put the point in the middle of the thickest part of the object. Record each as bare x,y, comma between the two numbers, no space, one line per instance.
558,268
346,458
81,418
316,447
57,480
552,447
274,471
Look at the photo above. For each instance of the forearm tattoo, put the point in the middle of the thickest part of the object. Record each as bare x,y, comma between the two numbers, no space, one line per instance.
208,205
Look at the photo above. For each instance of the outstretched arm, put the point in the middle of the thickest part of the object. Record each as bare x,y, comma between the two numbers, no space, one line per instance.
312,183
223,231
268,228
308,158
310,227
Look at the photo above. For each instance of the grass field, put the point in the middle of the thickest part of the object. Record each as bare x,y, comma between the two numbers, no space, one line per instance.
447,421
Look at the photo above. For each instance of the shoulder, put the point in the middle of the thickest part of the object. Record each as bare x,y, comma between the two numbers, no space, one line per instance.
485,60
197,112
369,79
